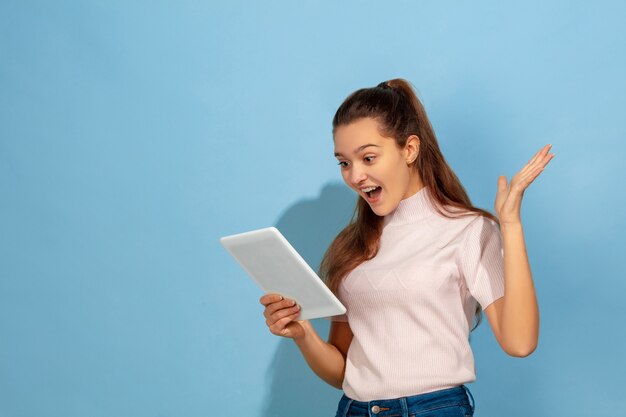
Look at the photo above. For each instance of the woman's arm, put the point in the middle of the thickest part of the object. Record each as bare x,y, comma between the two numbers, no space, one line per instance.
514,318
327,360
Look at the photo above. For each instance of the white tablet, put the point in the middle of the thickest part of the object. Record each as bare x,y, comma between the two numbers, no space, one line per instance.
277,267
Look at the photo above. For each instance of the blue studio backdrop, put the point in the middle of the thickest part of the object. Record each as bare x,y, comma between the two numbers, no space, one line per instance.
134,134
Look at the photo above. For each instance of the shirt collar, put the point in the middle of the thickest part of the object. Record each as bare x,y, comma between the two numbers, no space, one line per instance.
411,209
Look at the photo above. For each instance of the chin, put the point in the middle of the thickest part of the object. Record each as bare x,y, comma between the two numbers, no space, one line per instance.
380,211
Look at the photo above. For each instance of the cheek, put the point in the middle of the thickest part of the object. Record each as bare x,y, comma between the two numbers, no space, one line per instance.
346,177
396,175
390,170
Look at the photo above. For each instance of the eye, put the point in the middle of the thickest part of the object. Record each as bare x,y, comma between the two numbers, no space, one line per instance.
369,158
342,162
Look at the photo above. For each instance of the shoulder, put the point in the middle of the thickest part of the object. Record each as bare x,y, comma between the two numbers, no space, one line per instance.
482,238
460,229
480,227
462,221
478,221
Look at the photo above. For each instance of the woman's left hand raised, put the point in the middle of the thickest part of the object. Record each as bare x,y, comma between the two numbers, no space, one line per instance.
509,196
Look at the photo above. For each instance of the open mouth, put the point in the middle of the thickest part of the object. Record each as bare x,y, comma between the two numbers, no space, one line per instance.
374,193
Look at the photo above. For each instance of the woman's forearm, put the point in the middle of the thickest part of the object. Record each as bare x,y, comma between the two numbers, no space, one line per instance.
520,312
323,358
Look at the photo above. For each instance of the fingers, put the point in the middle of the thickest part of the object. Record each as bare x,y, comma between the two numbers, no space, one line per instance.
533,168
270,298
276,307
502,183
537,160
279,312
540,163
510,194
278,327
543,156
540,153
526,178
535,173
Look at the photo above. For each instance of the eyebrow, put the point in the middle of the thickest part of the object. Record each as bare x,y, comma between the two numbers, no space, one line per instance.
359,149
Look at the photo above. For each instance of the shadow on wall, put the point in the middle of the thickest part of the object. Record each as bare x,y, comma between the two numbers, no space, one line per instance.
310,226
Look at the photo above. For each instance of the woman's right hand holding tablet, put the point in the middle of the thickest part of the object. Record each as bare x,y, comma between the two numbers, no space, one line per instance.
280,316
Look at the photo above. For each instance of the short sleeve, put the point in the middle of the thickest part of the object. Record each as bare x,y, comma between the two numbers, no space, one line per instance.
481,261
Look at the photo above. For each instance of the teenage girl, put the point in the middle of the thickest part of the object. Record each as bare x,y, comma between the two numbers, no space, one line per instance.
414,267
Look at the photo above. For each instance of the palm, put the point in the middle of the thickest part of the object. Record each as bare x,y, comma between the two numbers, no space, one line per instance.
509,196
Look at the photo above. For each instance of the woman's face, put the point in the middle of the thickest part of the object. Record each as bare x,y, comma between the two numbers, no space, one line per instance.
369,160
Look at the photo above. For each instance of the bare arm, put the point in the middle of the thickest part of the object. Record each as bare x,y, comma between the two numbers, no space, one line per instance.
326,359
514,318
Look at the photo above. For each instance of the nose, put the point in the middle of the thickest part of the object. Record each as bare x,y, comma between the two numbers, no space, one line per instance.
357,175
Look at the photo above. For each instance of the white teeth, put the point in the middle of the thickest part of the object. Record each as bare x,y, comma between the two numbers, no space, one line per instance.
367,190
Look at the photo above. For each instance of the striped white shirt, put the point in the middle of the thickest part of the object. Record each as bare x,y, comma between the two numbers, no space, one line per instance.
412,306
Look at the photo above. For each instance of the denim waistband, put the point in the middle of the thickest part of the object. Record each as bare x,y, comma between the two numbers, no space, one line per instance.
407,405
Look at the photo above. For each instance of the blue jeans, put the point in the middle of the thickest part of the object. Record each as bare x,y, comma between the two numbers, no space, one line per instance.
450,402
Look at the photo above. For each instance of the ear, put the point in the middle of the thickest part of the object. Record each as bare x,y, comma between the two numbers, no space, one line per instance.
412,148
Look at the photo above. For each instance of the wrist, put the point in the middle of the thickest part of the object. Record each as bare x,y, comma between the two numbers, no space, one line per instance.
514,224
510,226
306,334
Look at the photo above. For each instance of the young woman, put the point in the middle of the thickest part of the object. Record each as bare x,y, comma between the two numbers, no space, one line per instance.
414,268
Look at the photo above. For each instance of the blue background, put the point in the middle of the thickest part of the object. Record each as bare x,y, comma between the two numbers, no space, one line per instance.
134,134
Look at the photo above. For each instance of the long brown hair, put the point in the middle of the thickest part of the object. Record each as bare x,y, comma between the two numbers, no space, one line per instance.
400,114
